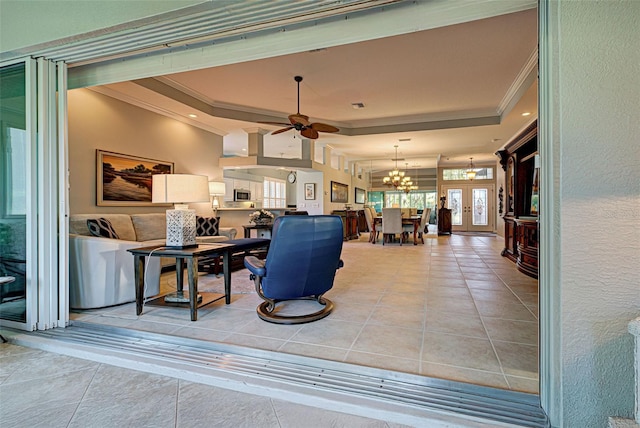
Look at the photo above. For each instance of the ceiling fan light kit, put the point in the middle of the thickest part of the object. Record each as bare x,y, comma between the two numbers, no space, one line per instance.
301,123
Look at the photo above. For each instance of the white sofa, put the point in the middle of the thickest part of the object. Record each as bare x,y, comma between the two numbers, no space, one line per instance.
101,269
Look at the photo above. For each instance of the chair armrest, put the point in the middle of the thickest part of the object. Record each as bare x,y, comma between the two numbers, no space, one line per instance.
229,232
255,265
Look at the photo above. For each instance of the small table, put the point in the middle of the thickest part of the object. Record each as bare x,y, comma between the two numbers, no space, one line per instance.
190,255
413,220
257,227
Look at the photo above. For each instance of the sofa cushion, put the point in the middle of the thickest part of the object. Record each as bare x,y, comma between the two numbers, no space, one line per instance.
149,226
101,227
207,226
121,224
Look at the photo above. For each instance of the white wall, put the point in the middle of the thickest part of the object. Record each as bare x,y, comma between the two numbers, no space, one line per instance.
100,122
596,55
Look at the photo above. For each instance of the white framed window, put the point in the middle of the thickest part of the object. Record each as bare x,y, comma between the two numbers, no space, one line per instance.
461,174
275,194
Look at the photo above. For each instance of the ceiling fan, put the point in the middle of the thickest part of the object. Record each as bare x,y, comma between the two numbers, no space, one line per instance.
301,123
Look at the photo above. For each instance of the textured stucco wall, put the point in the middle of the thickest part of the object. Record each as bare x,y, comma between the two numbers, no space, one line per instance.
597,109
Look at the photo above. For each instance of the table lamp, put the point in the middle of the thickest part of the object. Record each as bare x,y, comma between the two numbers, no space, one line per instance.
216,188
180,189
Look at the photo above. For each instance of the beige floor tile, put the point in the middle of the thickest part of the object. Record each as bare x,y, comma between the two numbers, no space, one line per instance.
464,324
461,374
315,351
522,384
509,311
376,360
329,332
398,316
525,332
459,351
389,340
518,359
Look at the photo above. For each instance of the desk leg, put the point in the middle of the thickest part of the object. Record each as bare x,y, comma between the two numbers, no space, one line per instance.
415,233
192,275
226,269
372,234
138,263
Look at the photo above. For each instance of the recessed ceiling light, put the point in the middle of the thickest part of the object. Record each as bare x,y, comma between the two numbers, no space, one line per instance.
244,150
193,115
357,105
526,113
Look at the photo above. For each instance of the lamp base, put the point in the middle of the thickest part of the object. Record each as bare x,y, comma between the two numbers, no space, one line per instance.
180,297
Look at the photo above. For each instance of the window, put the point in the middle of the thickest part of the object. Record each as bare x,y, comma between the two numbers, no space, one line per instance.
418,199
275,195
461,174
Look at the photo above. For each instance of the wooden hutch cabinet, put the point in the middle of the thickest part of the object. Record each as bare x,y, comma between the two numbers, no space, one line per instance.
519,161
349,223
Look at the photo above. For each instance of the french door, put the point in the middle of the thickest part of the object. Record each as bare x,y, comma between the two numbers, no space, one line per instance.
472,207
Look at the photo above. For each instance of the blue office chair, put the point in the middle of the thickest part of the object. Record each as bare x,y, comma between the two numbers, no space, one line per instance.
301,264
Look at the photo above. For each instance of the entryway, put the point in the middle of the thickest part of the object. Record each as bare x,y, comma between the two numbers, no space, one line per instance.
471,207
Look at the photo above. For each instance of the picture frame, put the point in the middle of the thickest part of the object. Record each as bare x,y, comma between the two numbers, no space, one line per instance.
309,191
359,195
125,180
339,192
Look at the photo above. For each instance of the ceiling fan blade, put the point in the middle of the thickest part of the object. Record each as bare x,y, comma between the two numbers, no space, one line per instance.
275,123
299,118
282,130
323,127
309,133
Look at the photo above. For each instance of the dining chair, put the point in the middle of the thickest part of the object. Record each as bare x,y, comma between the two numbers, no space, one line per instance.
369,217
391,224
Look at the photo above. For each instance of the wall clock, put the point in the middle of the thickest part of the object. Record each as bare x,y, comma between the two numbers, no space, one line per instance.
291,178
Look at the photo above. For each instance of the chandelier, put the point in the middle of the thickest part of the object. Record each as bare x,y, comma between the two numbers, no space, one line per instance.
406,185
396,177
471,171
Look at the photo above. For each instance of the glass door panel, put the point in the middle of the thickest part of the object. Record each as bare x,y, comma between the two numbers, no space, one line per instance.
480,207
14,165
454,198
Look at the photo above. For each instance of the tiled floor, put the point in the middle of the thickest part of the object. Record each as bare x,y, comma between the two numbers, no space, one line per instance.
452,308
44,389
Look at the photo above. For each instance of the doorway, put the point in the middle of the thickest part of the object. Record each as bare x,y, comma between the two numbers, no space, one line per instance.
471,207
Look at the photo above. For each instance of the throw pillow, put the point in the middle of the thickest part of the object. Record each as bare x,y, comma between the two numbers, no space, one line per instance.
207,226
102,227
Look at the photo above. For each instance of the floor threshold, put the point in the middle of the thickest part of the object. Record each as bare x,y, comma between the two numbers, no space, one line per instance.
345,387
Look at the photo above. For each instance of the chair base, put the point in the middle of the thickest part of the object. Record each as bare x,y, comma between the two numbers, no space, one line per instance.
265,311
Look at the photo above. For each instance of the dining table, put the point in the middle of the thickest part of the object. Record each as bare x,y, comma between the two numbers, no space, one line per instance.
406,221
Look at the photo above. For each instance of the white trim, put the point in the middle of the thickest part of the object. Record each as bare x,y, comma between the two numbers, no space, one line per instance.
550,361
63,197
523,81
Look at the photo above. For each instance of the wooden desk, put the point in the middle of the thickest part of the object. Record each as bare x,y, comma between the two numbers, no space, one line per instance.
190,255
413,220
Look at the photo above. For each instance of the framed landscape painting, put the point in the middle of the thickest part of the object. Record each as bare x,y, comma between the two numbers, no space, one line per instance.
124,180
339,192
359,195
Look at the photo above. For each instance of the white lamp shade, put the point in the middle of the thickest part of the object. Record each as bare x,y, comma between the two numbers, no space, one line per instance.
179,188
216,188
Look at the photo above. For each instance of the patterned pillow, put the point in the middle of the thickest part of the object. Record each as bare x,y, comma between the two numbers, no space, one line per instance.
207,226
102,227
